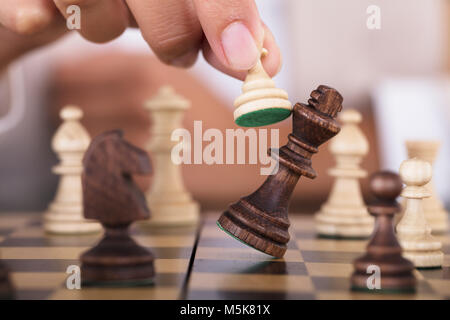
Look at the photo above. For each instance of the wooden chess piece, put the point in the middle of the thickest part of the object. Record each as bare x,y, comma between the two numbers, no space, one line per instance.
260,219
111,196
383,251
168,200
433,208
260,103
413,231
70,142
6,288
345,215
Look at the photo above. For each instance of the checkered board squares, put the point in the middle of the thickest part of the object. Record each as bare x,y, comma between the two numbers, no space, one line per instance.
38,261
312,268
223,268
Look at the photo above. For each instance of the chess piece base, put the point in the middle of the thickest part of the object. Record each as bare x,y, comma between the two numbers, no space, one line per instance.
396,274
172,215
5,292
6,289
260,117
344,223
119,283
252,239
424,251
425,260
69,222
117,261
360,286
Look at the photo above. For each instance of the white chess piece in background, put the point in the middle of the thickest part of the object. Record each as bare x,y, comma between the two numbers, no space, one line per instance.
169,202
345,213
413,231
70,142
433,208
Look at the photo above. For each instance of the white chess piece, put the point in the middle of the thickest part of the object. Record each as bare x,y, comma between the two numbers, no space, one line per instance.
260,103
345,214
170,204
65,213
413,231
433,208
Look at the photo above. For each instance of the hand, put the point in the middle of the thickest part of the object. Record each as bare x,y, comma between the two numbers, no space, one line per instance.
114,98
25,25
230,33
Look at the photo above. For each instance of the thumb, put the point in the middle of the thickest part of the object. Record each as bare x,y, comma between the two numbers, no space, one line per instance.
234,31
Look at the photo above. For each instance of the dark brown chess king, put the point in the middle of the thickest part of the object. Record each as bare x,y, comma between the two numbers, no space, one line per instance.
111,197
261,219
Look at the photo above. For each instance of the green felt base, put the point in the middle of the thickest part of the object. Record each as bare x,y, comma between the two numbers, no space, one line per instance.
232,235
429,268
327,236
119,283
383,291
262,117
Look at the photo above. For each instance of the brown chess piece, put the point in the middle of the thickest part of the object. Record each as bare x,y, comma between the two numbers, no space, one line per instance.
384,251
261,219
111,197
6,289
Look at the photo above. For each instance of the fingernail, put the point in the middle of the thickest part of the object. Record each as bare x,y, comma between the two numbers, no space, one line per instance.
239,46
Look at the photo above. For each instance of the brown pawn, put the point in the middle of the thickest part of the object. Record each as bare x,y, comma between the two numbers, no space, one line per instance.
261,219
383,250
111,197
6,289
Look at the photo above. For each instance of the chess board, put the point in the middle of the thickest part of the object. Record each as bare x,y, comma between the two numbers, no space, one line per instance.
38,262
312,268
203,263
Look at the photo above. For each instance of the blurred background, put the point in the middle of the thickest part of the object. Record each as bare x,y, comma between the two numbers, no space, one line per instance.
397,77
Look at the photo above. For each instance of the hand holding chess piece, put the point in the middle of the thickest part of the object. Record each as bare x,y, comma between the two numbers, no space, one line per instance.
260,103
261,219
345,215
111,197
413,231
383,250
65,213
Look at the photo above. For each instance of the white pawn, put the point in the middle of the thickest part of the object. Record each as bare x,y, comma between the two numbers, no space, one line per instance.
413,231
260,103
65,213
345,214
170,204
433,208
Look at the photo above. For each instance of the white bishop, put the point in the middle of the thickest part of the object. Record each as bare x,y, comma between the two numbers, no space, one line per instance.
65,213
